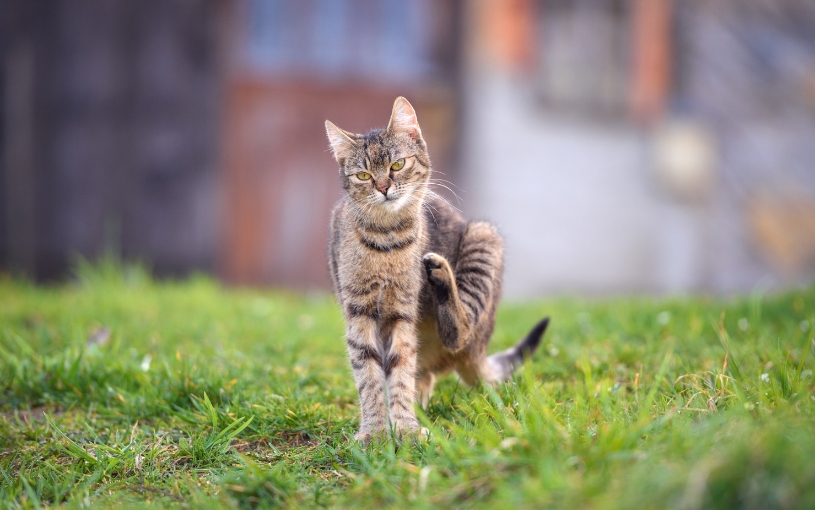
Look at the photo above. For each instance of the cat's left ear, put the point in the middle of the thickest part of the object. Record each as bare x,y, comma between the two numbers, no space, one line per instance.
403,119
342,142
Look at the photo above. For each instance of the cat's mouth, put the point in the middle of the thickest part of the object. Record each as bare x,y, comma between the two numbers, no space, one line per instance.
390,196
392,201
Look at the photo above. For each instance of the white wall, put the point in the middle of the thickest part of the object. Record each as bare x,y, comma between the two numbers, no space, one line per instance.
577,205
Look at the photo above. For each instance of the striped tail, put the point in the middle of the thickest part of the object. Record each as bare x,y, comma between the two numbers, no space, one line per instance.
502,364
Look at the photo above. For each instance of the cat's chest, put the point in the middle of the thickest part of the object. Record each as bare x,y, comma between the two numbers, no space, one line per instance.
364,263
381,272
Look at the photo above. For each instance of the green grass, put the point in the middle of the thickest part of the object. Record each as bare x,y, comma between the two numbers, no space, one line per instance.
210,397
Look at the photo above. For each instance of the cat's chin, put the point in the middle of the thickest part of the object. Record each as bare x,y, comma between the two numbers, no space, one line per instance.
392,204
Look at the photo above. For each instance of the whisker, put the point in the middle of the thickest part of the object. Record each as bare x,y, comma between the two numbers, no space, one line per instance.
422,203
442,199
432,193
458,198
430,209
364,211
451,183
451,206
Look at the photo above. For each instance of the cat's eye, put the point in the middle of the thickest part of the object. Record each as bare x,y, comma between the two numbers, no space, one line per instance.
398,164
363,176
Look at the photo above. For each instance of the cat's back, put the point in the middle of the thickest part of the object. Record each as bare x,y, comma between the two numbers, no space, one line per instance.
444,229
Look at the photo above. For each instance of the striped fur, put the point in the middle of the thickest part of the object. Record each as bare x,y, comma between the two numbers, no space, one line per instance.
418,285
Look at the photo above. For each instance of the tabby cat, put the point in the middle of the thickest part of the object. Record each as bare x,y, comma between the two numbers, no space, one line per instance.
418,285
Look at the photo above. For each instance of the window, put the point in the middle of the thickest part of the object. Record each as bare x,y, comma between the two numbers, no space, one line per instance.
371,40
583,56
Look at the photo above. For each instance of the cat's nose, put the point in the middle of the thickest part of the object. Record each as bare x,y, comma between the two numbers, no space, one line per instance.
383,188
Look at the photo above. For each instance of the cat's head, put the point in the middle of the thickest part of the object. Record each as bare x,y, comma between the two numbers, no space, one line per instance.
386,169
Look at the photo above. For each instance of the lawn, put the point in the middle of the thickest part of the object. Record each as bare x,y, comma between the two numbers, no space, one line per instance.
117,390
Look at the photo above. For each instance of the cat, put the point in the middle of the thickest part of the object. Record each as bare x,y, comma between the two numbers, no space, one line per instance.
418,285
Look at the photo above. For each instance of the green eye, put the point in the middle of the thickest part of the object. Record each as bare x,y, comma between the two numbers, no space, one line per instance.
398,164
363,176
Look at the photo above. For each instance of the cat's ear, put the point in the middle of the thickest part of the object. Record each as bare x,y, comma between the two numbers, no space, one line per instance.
403,119
342,142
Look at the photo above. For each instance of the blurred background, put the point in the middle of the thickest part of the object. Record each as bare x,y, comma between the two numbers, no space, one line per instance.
621,146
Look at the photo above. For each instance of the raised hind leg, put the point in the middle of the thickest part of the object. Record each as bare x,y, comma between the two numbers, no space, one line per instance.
467,295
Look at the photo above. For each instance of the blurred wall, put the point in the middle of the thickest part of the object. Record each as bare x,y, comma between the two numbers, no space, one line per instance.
109,132
643,145
620,145
292,66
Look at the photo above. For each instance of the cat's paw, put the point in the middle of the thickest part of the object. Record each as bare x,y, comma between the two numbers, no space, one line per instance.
363,437
413,435
408,428
438,269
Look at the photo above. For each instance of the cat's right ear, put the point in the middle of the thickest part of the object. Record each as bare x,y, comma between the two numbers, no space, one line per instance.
342,142
403,119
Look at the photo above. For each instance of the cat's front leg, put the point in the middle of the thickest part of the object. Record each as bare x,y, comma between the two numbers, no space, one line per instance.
369,375
400,371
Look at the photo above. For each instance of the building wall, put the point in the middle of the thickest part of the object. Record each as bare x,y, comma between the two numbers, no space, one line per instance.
294,65
109,138
189,134
577,203
594,188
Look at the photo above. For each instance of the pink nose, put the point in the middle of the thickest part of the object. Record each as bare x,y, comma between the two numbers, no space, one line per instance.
383,189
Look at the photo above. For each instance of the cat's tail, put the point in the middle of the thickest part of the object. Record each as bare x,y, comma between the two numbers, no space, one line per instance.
501,365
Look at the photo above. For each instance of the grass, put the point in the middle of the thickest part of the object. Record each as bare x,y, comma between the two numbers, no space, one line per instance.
116,390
